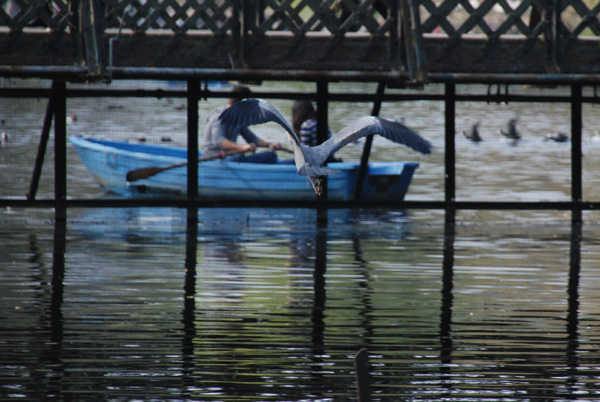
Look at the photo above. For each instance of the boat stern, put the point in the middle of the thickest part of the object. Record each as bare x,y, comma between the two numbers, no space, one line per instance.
384,181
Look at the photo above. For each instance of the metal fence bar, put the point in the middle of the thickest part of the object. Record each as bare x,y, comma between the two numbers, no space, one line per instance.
576,154
450,152
322,130
361,364
236,74
364,158
60,141
193,96
42,147
336,97
185,203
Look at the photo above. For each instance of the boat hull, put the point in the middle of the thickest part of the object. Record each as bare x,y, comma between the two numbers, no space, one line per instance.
109,161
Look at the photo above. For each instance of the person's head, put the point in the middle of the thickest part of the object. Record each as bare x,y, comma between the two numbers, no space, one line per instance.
301,111
238,93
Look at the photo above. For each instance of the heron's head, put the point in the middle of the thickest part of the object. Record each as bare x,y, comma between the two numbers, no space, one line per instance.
317,183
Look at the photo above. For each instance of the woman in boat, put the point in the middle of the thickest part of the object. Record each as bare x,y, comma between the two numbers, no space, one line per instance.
304,123
221,139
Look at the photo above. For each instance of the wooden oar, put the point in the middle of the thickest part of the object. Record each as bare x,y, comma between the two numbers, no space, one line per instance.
144,173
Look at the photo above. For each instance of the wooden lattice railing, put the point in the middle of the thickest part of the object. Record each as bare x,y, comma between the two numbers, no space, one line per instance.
456,18
495,18
218,17
358,35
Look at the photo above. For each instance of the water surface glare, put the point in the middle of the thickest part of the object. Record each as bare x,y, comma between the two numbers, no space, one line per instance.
139,304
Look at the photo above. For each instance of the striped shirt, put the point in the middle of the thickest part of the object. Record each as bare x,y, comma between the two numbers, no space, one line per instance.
308,133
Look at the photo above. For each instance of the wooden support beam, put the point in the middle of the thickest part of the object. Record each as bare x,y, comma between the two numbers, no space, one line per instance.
394,41
189,287
450,155
364,158
91,37
413,40
447,298
43,145
58,276
551,38
191,252
322,130
319,290
573,291
237,34
193,96
60,140
576,153
361,365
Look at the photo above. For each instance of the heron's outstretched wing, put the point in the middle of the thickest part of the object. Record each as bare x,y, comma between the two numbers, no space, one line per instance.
249,112
367,125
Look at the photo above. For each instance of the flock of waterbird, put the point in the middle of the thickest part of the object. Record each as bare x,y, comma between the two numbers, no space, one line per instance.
511,133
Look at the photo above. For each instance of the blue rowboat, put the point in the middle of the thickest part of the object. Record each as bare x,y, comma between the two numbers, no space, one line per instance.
109,162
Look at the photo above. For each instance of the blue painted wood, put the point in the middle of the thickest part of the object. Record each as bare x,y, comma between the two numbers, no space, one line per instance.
109,162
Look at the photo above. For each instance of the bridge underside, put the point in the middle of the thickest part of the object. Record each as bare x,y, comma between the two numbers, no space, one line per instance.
406,40
358,53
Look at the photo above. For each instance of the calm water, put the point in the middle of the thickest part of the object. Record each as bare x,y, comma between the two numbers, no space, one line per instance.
263,305
250,304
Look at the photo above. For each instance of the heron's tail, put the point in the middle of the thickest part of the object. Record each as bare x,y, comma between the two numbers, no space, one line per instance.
314,171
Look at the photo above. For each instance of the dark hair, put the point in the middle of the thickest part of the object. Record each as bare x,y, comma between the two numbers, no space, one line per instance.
301,111
238,93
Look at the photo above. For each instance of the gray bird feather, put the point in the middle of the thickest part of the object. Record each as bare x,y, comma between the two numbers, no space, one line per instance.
310,160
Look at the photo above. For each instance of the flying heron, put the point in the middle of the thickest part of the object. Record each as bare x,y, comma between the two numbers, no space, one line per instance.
310,160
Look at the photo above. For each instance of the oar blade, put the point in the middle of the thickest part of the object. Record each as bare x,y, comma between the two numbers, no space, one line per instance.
143,173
